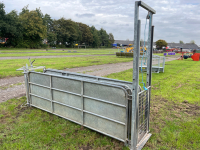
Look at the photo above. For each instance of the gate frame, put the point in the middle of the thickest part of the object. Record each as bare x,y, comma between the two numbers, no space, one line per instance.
135,96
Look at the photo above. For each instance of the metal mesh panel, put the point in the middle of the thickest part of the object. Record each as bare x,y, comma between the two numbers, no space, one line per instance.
158,63
142,114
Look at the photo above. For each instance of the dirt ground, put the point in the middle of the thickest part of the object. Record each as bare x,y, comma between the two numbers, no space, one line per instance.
14,87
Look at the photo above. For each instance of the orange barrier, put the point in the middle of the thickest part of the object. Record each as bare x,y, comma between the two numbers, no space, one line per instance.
196,57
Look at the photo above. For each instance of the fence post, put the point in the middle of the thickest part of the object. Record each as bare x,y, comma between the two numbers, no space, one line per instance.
134,121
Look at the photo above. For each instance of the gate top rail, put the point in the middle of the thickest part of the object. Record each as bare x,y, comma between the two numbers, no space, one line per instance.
119,86
145,6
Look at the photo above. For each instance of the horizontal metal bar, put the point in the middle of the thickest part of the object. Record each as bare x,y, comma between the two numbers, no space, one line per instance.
90,76
104,133
104,101
143,141
66,105
126,84
144,90
105,118
39,85
145,6
40,97
66,92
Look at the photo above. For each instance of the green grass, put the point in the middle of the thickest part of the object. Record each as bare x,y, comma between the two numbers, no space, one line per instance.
8,67
174,117
52,52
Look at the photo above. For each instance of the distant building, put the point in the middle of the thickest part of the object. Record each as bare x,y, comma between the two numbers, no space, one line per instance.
183,46
188,46
122,43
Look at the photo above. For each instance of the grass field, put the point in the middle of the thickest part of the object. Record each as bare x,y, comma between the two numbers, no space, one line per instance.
174,118
8,67
52,52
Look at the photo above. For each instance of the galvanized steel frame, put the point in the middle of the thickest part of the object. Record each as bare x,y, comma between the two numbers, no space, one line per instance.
135,96
158,67
122,87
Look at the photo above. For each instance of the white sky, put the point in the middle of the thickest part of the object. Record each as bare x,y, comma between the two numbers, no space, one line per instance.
174,20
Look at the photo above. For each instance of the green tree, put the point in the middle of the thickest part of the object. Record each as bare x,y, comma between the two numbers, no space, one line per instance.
160,43
192,42
87,36
104,37
34,31
96,39
3,26
10,26
181,42
111,38
66,31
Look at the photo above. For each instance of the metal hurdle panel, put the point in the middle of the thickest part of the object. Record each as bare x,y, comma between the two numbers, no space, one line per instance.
98,106
158,63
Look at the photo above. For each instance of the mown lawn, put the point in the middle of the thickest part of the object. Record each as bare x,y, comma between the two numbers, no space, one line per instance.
53,52
8,67
174,118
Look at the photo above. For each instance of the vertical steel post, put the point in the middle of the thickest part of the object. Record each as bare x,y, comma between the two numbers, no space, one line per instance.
149,51
163,63
27,87
134,121
52,109
82,100
150,76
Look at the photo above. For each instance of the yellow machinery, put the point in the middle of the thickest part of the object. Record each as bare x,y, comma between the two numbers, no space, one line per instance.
130,48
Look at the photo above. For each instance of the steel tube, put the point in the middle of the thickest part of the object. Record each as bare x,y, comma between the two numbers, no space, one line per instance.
149,52
134,122
85,111
51,94
82,100
145,6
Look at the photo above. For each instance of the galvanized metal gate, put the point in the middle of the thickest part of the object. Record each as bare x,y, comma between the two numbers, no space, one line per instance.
99,106
158,64
118,109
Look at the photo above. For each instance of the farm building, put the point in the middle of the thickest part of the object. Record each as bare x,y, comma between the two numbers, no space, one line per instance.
183,46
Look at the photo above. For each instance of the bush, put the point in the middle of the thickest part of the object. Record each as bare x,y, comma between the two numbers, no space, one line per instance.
44,46
22,45
60,46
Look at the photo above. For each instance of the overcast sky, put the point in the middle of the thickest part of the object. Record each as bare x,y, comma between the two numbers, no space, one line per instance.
174,20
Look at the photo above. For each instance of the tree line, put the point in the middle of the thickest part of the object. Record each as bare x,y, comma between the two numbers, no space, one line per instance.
31,28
